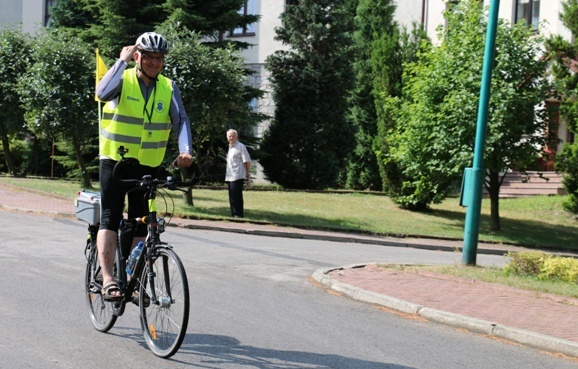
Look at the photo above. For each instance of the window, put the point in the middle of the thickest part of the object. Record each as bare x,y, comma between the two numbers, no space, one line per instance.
48,4
248,30
291,2
254,105
528,11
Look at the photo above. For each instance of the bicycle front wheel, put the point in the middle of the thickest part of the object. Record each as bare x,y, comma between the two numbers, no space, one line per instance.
101,312
164,303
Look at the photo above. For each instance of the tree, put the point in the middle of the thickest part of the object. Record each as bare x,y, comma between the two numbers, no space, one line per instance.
390,52
57,92
212,82
210,19
435,136
110,25
565,55
309,138
15,50
374,21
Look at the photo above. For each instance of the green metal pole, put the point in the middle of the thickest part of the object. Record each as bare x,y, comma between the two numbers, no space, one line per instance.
472,226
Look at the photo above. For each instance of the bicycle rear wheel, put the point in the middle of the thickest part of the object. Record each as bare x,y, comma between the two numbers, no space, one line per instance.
101,312
164,314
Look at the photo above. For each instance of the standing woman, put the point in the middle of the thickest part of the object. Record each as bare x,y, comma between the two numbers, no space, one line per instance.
238,170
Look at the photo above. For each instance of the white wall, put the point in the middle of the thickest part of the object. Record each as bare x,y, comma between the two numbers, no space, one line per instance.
29,14
11,12
409,11
263,41
32,15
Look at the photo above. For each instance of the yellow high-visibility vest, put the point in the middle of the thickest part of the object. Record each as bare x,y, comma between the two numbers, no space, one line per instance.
143,130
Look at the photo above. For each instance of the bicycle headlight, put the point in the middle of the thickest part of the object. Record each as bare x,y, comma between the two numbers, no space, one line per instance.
161,224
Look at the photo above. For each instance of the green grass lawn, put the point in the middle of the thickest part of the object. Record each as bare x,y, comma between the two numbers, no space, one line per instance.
538,221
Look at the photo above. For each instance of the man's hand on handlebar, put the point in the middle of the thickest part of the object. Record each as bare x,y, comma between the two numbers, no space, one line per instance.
184,160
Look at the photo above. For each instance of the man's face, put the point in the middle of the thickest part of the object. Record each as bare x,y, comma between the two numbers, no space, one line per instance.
232,138
151,63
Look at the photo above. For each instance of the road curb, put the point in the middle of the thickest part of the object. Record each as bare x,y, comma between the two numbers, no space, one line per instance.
517,335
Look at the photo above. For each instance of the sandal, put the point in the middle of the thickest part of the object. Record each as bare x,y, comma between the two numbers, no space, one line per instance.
109,292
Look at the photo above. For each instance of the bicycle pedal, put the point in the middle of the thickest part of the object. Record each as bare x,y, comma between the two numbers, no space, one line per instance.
95,289
134,300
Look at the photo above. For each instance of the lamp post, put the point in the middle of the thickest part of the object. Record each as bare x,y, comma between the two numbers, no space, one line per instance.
474,176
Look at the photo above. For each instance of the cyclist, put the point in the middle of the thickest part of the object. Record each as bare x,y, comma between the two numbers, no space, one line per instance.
142,108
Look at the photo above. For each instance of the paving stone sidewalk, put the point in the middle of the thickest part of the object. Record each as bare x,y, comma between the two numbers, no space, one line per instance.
497,304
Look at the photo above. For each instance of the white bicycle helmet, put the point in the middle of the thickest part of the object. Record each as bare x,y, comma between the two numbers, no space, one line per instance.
152,42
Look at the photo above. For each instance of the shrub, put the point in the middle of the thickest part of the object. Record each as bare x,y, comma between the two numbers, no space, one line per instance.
525,263
564,269
542,265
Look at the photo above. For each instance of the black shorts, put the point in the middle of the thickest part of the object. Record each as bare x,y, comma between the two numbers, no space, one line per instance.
113,193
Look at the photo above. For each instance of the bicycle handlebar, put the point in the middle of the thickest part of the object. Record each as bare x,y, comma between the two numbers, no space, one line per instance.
148,181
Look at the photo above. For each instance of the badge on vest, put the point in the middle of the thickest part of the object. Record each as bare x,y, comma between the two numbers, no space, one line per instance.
159,106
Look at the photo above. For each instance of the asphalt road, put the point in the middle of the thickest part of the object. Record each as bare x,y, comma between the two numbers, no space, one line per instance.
253,306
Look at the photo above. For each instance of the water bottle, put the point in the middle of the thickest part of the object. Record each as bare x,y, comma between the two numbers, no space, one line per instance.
134,255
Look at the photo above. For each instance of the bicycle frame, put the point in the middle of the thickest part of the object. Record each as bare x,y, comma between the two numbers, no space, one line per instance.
152,242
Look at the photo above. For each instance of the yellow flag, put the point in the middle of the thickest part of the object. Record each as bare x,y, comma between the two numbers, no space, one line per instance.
101,70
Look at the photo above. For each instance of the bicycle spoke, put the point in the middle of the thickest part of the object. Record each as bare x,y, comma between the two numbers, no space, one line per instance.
165,320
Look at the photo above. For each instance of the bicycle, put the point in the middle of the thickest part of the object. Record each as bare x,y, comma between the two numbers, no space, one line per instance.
159,284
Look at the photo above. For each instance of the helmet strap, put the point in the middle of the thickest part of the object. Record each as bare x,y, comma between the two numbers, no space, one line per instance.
143,72
140,69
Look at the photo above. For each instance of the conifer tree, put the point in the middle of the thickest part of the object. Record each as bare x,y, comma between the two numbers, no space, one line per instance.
310,138
374,21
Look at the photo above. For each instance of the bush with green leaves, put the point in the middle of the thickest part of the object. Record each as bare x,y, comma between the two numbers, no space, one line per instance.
525,263
15,53
543,266
561,268
57,92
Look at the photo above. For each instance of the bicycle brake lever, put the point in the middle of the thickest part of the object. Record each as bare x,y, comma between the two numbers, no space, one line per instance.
170,184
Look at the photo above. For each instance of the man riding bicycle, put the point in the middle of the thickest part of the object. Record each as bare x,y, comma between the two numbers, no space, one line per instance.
142,109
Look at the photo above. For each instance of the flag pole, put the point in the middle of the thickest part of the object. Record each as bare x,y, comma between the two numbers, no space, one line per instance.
101,70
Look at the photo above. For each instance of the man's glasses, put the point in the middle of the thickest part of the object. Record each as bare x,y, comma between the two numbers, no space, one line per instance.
149,57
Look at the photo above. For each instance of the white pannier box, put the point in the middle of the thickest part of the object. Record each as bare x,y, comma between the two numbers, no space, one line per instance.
87,205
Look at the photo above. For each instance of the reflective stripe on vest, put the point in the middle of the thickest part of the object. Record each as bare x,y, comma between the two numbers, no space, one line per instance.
127,124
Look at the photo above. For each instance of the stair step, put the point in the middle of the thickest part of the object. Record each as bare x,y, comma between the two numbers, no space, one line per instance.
518,184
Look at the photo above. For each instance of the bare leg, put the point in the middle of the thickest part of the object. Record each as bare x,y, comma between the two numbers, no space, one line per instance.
106,243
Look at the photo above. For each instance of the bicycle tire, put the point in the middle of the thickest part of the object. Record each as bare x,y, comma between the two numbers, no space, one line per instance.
101,312
165,320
